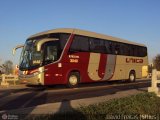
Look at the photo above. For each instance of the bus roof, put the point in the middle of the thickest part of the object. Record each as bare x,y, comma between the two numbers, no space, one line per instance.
84,33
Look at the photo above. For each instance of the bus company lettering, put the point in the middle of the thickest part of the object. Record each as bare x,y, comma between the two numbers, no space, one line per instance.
73,56
134,60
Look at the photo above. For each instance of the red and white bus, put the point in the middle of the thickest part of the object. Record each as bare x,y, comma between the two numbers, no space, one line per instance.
73,56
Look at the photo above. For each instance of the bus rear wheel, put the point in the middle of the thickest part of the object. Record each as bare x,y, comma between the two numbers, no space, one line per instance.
73,79
132,76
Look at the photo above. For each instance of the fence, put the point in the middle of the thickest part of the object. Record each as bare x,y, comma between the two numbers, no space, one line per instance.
8,78
154,82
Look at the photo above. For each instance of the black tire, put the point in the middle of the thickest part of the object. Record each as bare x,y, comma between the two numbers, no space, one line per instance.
73,80
132,76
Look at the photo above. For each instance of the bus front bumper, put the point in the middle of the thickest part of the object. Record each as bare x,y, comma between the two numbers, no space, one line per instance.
31,79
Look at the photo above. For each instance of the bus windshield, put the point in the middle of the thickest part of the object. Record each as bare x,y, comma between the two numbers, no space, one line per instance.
50,51
30,57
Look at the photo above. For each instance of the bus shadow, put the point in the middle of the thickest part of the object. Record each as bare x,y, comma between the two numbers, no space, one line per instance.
94,84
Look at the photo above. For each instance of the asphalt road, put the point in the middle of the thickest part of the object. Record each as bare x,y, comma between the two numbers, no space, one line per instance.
23,97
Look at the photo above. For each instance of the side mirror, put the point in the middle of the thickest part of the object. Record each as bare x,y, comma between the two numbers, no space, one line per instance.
17,47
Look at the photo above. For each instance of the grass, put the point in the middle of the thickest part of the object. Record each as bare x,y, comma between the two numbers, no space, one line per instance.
140,104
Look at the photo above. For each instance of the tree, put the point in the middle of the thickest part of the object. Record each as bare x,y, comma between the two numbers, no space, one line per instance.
8,67
156,62
2,67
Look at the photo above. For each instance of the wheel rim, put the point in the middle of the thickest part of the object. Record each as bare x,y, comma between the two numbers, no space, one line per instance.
73,80
132,77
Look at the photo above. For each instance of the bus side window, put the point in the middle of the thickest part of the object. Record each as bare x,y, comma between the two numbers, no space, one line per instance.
125,49
142,51
136,51
63,40
129,50
94,44
111,48
97,45
83,43
117,49
80,44
74,45
108,47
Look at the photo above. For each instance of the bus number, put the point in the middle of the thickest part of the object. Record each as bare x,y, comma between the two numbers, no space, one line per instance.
74,60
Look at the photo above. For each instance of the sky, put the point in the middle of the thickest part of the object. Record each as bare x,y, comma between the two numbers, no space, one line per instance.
134,20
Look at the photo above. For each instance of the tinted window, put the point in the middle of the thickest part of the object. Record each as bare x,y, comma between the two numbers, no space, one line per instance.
124,49
63,40
108,47
80,43
134,50
118,50
63,37
97,45
142,51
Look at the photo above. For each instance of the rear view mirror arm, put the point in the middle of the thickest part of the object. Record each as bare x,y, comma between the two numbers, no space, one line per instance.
17,47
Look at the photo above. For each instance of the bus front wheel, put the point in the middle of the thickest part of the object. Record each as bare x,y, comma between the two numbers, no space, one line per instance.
73,79
132,76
